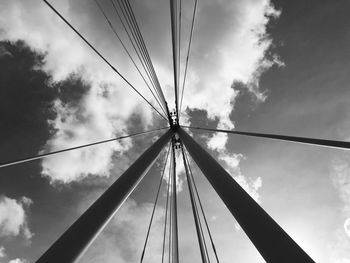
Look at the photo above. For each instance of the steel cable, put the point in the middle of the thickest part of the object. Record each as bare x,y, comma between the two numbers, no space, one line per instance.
102,57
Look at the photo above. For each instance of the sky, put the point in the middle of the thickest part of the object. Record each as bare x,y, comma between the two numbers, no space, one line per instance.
256,65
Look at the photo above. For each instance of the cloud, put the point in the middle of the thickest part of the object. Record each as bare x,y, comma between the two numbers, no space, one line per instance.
123,238
347,227
14,217
230,44
101,113
92,120
4,52
231,162
180,170
233,49
339,247
18,260
340,176
2,252
217,141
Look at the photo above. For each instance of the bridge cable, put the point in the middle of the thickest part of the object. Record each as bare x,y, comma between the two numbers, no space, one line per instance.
202,210
188,52
199,230
40,156
128,53
134,39
166,214
174,38
303,140
144,47
102,57
155,205
179,47
131,36
175,251
200,224
171,212
136,43
138,38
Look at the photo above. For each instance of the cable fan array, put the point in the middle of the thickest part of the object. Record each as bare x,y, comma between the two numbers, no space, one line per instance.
107,205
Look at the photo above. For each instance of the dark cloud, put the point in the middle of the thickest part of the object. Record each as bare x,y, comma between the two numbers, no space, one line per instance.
25,106
246,103
72,89
27,95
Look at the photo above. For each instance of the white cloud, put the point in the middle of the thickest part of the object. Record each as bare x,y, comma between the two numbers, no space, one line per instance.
14,218
339,247
18,260
347,227
83,125
103,111
180,170
2,252
231,163
340,176
217,141
123,239
232,51
230,44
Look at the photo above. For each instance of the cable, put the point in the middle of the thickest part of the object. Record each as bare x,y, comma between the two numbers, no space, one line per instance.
166,214
200,224
143,45
141,49
102,57
135,40
175,225
199,230
171,213
155,204
188,52
179,45
304,140
202,210
40,156
128,53
173,8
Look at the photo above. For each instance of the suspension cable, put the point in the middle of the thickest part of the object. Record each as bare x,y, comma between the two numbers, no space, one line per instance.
40,156
166,213
199,230
175,244
155,205
202,210
133,37
188,52
304,140
127,52
174,34
200,224
179,47
141,49
171,212
102,57
136,49
143,45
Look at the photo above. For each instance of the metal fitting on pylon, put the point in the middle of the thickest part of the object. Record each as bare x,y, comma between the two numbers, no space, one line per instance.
173,120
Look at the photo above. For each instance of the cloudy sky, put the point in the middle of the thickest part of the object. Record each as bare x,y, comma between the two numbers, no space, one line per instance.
256,65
